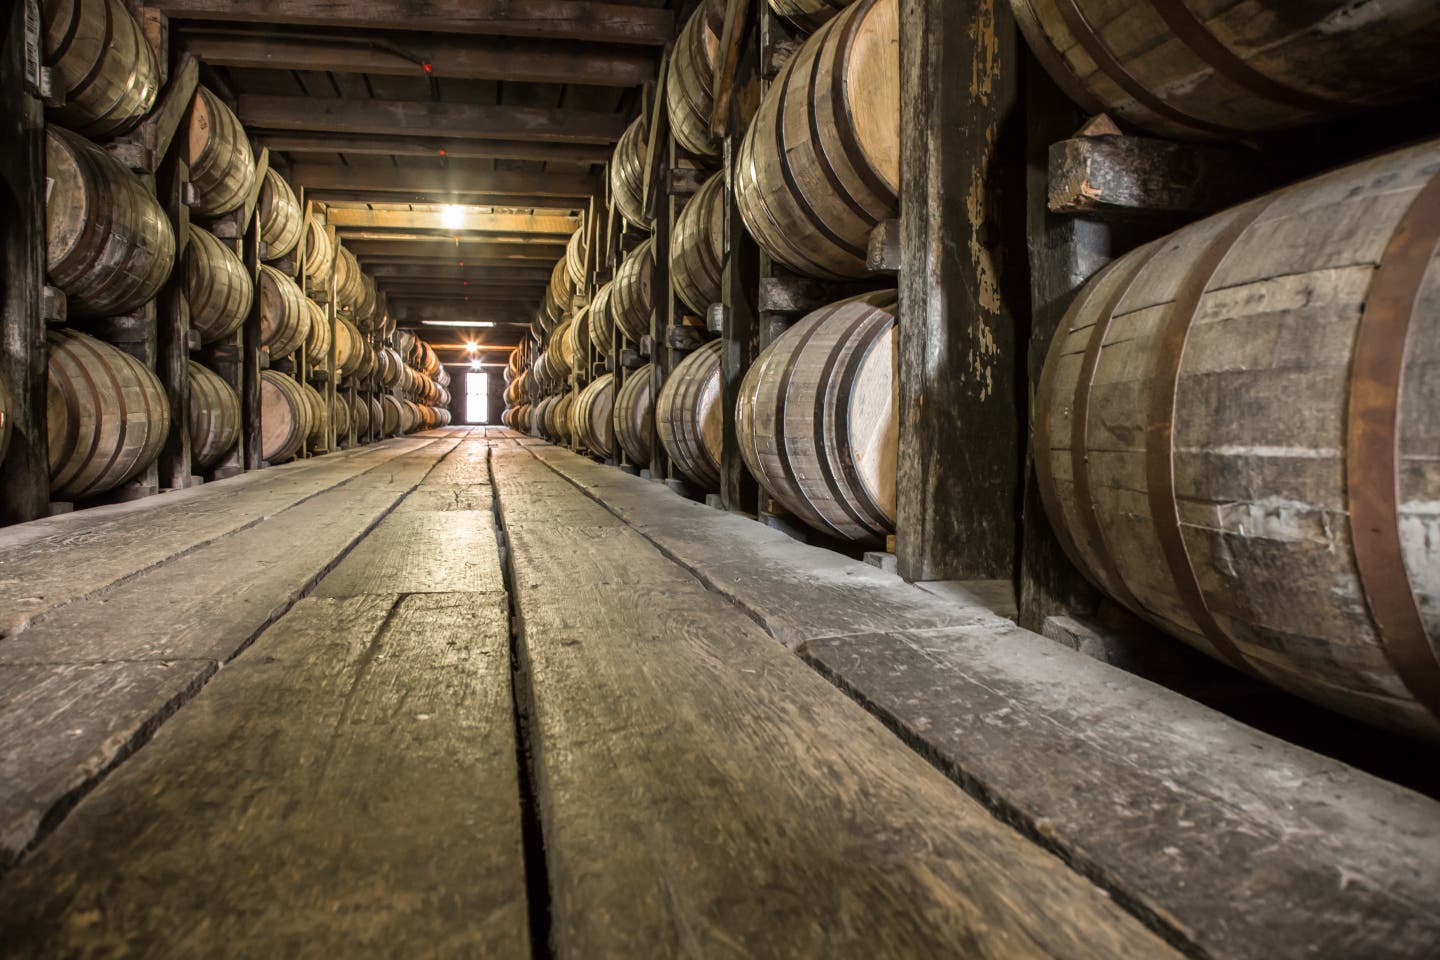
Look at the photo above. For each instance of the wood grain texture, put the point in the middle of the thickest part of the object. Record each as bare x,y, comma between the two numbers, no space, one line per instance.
776,840
357,773
1238,845
391,117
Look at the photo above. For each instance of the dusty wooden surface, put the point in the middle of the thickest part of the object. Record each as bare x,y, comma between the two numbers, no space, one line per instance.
692,796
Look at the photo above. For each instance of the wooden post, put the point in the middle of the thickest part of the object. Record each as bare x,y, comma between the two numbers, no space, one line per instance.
172,332
25,470
961,404
250,351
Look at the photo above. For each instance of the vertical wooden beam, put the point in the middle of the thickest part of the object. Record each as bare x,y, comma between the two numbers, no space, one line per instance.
960,399
172,330
25,470
250,350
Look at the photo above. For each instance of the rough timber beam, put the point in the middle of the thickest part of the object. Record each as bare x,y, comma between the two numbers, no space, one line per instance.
554,19
449,271
430,118
526,253
458,58
454,178
484,292
466,221
454,149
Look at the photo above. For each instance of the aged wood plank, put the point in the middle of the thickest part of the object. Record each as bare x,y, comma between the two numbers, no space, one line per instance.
468,120
422,551
48,563
797,592
701,792
1240,846
195,611
347,786
420,146
463,219
1120,176
554,19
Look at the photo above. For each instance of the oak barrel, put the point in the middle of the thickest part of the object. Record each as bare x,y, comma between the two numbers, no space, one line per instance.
317,337
281,219
808,15
632,298
635,414
575,258
627,175
697,250
108,243
340,415
284,313
213,418
319,252
1226,69
360,414
557,418
318,438
348,347
284,417
102,69
1238,436
221,164
592,418
557,296
390,414
689,415
349,288
818,171
602,322
107,416
217,285
688,94
816,421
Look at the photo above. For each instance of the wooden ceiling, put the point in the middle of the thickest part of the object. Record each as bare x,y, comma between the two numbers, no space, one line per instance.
457,142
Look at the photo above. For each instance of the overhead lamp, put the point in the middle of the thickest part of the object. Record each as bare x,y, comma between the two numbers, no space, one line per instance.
452,216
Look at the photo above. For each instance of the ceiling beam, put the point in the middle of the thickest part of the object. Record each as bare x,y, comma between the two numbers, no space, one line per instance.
375,263
548,205
509,303
450,250
362,234
581,153
486,292
415,311
554,19
461,221
454,57
449,271
457,177
470,121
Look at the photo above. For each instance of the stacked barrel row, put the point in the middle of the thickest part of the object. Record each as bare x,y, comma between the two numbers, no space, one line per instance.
414,372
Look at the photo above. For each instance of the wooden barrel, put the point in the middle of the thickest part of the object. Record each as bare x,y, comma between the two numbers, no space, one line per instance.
281,219
377,418
430,366
442,416
632,299
816,419
808,16
318,438
341,414
317,338
348,351
627,175
367,308
213,418
557,419
284,417
221,164
366,366
575,258
284,313
689,415
217,286
561,291
817,173
411,416
1220,69
592,417
360,413
390,413
689,98
635,414
1236,436
108,243
319,252
391,367
107,416
349,288
101,66
602,323
536,426
697,252
575,345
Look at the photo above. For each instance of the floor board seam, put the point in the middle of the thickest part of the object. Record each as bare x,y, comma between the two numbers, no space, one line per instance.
58,810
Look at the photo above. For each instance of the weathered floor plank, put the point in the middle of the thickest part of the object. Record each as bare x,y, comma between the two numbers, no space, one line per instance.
190,614
346,788
49,563
702,792
1235,843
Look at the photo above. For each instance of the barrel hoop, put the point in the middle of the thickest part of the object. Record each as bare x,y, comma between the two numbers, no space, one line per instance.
72,436
1372,448
72,29
840,117
1190,31
1160,430
844,455
1089,38
844,122
98,66
1080,430
122,410
758,198
801,202
782,391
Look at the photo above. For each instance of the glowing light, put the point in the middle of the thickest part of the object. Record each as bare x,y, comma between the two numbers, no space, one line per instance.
472,346
459,323
452,216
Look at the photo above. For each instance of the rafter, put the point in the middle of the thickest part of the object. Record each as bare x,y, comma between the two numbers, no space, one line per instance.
462,220
454,149
555,19
449,271
472,121
454,57
368,250
454,178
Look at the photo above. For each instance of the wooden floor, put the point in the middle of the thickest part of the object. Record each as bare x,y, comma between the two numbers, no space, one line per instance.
465,694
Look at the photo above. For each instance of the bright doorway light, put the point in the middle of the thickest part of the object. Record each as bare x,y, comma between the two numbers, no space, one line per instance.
477,397
452,216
